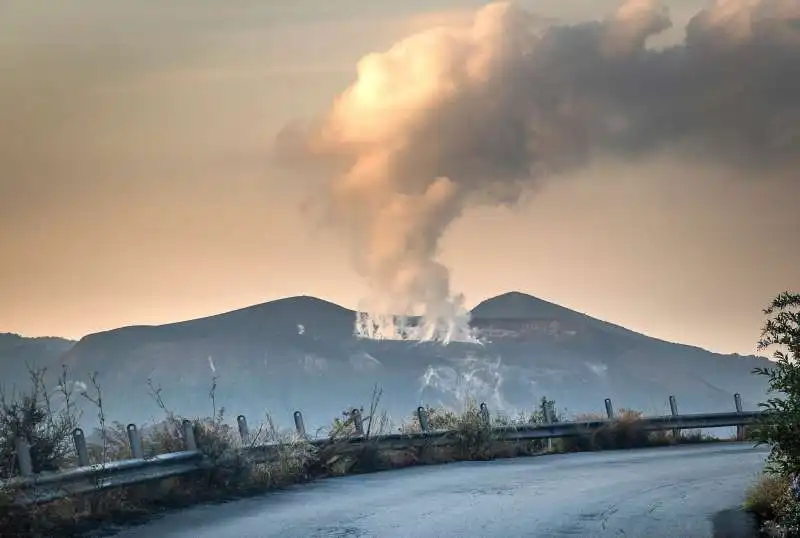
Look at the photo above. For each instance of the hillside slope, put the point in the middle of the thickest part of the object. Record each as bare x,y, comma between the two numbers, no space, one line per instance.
300,353
18,353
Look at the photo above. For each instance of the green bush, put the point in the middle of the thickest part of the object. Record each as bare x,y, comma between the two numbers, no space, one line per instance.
780,429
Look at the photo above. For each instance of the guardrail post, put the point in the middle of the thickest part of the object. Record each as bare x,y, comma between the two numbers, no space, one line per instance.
80,447
79,439
244,431
358,422
737,400
299,425
673,407
484,410
423,418
189,441
609,409
550,417
137,450
24,461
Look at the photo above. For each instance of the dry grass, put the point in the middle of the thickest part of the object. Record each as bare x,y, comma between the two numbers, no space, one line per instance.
624,432
775,505
764,496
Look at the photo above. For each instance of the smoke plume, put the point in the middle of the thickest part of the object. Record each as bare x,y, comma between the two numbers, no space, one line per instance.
477,113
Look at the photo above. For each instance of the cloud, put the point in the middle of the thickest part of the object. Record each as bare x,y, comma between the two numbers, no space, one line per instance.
481,111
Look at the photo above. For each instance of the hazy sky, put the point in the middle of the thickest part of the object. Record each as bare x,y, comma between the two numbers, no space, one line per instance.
137,185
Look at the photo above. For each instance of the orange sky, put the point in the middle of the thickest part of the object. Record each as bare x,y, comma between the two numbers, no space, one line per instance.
137,189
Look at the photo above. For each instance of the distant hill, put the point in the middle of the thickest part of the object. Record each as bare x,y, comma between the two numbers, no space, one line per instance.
301,353
17,353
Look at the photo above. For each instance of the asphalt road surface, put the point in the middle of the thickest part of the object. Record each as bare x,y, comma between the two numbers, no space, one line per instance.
649,493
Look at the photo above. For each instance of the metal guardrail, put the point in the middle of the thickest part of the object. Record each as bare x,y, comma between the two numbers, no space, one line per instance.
44,487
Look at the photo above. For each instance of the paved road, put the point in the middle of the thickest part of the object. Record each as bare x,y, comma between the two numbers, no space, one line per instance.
664,492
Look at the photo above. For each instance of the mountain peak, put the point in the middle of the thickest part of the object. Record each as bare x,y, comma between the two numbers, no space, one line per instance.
302,301
517,305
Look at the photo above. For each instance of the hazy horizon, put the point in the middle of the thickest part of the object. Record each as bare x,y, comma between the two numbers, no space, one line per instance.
142,184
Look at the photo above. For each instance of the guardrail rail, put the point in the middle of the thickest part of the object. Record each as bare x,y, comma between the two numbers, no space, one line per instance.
32,487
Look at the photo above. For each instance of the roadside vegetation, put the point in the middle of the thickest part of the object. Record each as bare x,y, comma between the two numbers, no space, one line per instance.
775,497
234,467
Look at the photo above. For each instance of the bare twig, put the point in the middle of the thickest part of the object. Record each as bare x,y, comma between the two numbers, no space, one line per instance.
97,400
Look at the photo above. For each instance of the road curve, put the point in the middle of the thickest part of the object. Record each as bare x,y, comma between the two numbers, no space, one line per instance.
663,492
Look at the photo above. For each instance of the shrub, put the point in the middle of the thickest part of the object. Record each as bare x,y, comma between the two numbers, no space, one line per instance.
473,434
32,417
338,458
624,431
788,508
781,428
372,423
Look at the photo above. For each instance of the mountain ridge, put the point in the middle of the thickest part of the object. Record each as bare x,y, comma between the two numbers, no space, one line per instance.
19,353
300,352
485,309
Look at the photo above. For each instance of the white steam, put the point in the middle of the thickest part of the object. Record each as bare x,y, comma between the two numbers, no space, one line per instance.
454,328
468,380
